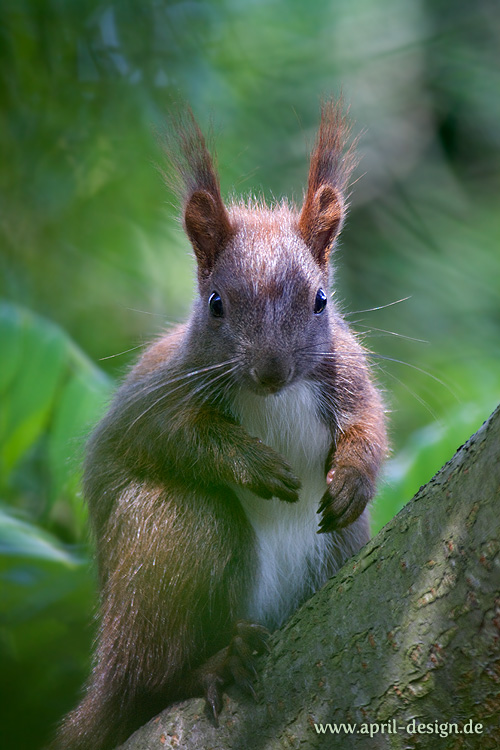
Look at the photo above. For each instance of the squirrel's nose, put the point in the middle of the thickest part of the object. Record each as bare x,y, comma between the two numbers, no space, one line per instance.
271,373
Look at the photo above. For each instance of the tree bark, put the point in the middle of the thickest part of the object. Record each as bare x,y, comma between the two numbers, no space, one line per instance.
407,634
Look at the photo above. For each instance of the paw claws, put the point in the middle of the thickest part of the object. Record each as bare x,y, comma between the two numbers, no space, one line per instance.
236,662
247,685
348,492
213,696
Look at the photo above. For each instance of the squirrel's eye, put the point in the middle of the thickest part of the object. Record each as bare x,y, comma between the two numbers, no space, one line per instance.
320,302
215,305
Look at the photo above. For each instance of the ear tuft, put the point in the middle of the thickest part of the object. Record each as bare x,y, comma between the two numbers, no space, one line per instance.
332,162
192,175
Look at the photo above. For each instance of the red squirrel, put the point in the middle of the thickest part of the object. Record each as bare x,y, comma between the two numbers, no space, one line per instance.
231,475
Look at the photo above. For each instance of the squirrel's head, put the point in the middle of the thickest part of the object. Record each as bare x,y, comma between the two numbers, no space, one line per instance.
263,273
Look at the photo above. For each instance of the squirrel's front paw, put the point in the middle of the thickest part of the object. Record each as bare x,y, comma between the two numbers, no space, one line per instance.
346,497
271,476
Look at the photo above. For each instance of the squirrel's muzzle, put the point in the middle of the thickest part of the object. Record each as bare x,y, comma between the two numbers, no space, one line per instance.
270,373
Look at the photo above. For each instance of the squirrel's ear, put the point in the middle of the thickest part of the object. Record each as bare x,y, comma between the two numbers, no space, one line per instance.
192,175
208,227
332,162
321,221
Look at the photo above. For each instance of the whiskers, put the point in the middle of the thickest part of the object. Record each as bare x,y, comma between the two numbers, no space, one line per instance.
224,380
198,383
369,330
351,361
120,354
380,307
347,359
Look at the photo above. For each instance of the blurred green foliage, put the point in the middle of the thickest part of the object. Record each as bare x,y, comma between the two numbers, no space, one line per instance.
92,258
51,394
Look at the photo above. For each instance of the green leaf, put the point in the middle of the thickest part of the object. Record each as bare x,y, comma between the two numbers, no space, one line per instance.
32,382
52,396
22,539
46,604
10,352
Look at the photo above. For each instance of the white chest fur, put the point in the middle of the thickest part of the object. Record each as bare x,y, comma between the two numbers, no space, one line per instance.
292,556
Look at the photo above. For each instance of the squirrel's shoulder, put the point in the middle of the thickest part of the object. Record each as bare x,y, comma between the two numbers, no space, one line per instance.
157,354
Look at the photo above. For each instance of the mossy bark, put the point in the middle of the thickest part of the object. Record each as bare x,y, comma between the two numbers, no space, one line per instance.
406,634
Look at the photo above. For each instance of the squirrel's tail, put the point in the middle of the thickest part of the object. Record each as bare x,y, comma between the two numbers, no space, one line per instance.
103,720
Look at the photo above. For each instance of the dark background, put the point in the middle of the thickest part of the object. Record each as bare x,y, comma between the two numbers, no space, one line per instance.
93,262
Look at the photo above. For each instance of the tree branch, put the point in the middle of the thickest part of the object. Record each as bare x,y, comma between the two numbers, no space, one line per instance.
408,631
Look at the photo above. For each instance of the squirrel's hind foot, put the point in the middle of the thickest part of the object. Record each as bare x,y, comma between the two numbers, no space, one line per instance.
236,663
